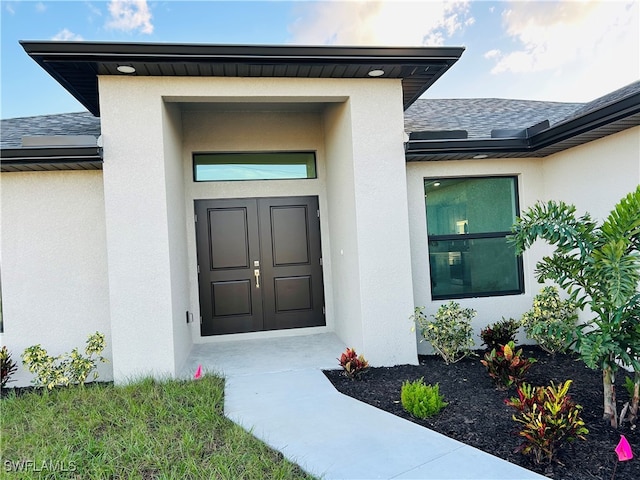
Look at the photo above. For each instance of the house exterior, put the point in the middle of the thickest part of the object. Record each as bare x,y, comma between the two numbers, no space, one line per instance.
215,193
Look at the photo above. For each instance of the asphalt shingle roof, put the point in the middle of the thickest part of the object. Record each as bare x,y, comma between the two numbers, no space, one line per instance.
478,116
606,99
81,123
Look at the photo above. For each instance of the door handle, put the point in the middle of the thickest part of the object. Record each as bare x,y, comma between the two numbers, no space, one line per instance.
256,273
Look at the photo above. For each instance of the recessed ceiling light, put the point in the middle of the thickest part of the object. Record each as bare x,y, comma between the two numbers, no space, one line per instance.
437,184
482,155
125,69
376,73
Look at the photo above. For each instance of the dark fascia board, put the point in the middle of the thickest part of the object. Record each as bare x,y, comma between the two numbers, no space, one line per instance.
86,58
520,133
177,52
16,157
439,135
593,120
602,116
419,148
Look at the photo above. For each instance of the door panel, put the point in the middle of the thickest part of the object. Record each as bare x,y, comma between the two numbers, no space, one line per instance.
232,238
289,236
227,244
290,243
293,293
280,237
231,298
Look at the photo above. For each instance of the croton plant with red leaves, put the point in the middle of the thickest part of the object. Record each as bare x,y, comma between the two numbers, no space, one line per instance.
353,364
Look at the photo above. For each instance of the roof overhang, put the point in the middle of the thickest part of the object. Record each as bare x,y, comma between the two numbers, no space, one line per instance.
50,159
608,119
76,65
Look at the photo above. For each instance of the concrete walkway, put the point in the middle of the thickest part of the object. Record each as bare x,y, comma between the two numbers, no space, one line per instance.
275,388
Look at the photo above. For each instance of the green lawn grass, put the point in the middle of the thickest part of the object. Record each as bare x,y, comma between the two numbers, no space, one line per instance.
148,429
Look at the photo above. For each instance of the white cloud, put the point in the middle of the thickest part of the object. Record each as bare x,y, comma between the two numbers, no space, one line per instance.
130,15
383,22
495,53
41,7
93,9
596,42
66,35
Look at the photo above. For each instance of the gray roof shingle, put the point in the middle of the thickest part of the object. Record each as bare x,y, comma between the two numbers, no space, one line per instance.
614,96
478,116
80,123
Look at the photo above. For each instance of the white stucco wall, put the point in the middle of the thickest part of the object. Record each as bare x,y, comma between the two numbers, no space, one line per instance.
138,188
380,192
596,175
342,221
53,263
176,218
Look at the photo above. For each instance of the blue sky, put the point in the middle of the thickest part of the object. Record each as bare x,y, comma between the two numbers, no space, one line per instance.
542,50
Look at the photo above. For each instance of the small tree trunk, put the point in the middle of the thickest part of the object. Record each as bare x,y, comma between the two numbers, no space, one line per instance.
608,382
633,409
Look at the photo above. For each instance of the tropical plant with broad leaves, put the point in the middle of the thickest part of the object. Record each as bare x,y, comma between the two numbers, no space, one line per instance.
630,409
7,366
599,265
353,364
500,333
548,418
506,365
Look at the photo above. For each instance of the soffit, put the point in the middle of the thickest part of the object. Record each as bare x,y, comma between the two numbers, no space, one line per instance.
50,159
76,65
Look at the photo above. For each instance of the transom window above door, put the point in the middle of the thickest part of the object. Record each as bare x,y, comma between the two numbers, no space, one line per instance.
220,167
468,221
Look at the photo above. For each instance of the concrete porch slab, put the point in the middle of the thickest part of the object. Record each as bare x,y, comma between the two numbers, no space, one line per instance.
246,357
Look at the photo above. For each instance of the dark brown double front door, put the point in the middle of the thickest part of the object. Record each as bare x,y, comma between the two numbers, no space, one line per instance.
259,264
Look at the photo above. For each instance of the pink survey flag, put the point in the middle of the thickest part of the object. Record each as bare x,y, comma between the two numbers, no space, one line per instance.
624,449
198,373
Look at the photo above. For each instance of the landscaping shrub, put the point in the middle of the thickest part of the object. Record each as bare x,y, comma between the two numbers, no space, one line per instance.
353,365
421,400
598,264
7,366
630,409
68,368
450,332
551,323
499,333
506,366
548,418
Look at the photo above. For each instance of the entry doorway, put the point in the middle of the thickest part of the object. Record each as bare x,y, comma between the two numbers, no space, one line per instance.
259,264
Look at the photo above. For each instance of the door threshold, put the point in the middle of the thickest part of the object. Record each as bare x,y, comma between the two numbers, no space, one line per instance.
290,332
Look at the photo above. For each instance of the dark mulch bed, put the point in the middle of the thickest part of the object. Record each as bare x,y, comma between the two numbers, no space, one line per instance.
18,391
476,414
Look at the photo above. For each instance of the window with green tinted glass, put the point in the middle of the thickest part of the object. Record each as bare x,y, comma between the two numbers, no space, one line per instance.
212,167
468,220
